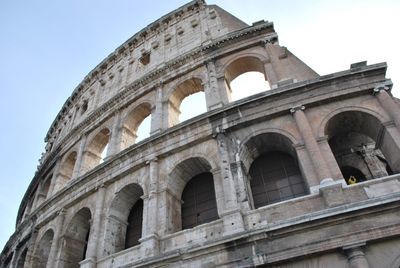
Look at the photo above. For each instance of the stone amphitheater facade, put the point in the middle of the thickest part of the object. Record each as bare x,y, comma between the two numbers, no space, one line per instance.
302,175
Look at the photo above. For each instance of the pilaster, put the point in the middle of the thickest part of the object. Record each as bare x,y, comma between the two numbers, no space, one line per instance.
79,158
311,144
93,246
387,102
53,260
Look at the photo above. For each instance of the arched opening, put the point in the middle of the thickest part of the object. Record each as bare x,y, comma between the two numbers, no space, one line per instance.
42,250
66,171
44,190
193,182
124,221
245,77
136,126
76,239
96,151
21,259
134,228
187,101
46,186
273,167
7,262
275,176
198,201
360,146
352,175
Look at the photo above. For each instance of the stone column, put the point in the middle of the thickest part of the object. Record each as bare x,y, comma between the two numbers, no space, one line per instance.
355,256
150,240
93,246
388,104
320,166
56,245
79,158
216,96
269,70
157,114
30,258
232,216
115,139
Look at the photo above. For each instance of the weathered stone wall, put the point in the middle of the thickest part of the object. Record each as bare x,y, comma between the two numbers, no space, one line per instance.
76,210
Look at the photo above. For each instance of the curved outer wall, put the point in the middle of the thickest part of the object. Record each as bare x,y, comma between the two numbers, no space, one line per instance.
77,211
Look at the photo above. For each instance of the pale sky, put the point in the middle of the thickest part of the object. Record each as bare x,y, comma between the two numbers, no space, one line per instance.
47,47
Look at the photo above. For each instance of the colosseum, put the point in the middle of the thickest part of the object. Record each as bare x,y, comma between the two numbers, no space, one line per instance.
304,174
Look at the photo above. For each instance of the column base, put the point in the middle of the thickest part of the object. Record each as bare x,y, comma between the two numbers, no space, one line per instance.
332,192
233,222
150,245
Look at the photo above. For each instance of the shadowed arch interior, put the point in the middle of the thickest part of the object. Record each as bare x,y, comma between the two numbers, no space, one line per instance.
273,168
22,258
66,171
124,221
179,182
43,249
76,239
360,143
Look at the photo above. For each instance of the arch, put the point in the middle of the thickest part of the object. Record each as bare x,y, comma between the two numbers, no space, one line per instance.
272,165
22,258
132,122
199,170
75,239
7,262
328,117
263,141
198,201
180,92
246,67
124,221
66,170
359,140
42,250
96,150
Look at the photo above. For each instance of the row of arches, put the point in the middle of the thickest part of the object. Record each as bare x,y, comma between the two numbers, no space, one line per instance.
136,124
273,172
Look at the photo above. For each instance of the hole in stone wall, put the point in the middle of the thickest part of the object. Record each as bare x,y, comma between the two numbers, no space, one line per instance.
143,131
192,106
248,84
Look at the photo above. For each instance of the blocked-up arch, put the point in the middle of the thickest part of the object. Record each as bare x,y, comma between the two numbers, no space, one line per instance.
180,92
132,122
76,238
250,66
273,168
124,220
360,141
96,149
193,183
66,170
42,250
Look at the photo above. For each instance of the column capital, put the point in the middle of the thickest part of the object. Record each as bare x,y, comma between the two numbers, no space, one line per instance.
297,108
386,86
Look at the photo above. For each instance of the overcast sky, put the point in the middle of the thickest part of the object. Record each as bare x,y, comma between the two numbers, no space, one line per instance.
47,47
